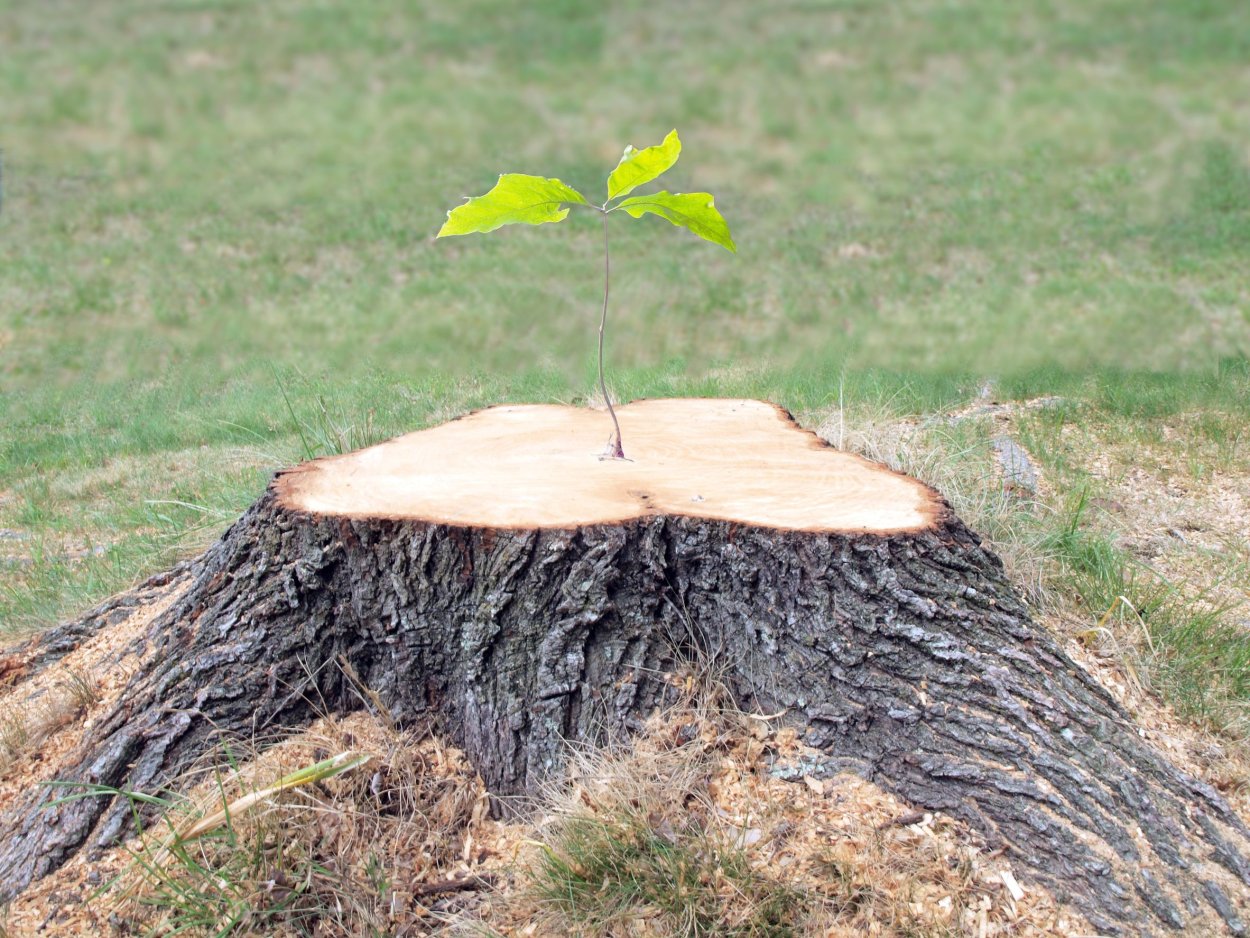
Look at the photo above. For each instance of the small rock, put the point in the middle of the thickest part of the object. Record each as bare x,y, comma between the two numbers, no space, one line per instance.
1018,471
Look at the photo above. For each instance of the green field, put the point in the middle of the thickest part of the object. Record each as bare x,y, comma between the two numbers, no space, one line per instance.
216,248
957,222
217,253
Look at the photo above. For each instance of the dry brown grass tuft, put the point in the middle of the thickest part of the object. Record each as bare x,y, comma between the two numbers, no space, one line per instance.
955,456
346,856
24,726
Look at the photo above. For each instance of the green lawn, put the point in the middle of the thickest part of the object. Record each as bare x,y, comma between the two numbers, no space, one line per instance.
217,254
217,258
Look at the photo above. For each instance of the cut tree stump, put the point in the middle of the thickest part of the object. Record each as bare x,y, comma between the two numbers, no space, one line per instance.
496,576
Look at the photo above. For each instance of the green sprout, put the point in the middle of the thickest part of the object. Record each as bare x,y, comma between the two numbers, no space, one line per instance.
536,200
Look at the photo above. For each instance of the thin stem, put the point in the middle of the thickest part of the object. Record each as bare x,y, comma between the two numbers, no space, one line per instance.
615,448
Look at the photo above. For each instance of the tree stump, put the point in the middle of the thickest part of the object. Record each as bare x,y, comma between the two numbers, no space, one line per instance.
496,576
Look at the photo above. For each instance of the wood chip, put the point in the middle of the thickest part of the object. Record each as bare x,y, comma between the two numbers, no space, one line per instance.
1013,887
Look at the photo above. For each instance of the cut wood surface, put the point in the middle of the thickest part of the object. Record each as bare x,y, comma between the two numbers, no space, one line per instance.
540,466
495,578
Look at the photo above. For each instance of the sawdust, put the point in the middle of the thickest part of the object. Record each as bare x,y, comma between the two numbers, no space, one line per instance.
835,840
58,706
866,862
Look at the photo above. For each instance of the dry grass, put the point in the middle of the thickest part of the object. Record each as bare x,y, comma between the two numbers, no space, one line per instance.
23,727
955,457
343,857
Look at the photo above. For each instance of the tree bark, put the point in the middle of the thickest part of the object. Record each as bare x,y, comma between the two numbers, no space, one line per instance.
902,654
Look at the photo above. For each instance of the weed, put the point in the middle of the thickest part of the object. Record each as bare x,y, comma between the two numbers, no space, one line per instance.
596,872
327,431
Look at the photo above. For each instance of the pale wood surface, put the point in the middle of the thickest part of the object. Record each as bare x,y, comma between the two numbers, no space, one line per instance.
540,466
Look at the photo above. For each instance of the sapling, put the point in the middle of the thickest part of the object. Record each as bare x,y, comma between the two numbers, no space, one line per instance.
536,200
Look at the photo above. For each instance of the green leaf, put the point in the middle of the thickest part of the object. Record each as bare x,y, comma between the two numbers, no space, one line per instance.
693,210
516,199
639,166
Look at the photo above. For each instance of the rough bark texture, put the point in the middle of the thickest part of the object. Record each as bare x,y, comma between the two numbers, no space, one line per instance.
905,657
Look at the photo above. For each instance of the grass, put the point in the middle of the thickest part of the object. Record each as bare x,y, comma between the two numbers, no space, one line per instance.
606,868
216,259
217,230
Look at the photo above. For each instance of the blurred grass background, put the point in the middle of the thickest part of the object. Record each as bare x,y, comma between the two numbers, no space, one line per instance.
217,254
